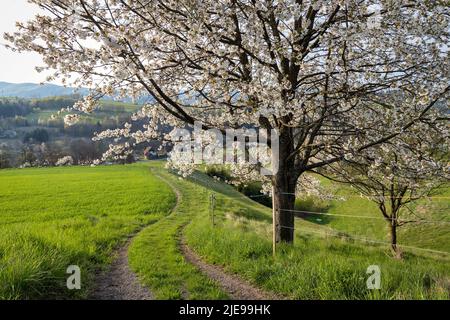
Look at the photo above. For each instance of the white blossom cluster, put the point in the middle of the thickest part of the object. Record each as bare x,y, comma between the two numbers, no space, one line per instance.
65,161
116,152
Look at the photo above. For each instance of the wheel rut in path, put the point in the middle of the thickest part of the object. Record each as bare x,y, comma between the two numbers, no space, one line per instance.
234,286
119,282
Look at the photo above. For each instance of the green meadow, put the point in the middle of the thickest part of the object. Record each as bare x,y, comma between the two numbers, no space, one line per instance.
51,218
55,217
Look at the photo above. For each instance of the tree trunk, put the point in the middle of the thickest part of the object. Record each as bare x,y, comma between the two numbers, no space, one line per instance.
395,249
284,182
283,206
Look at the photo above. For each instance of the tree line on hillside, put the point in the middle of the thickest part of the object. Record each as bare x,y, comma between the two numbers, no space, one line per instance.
14,107
36,142
39,154
14,115
11,107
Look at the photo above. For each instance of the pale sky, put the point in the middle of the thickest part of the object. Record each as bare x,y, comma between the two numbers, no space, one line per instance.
17,67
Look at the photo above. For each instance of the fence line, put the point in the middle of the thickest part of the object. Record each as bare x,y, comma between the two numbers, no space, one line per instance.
332,214
339,215
334,233
290,193
362,196
372,241
357,216
245,197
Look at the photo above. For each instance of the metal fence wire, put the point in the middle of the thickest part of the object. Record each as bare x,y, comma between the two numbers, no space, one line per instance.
333,233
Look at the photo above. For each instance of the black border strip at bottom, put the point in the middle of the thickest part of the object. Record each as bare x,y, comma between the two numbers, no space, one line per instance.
224,309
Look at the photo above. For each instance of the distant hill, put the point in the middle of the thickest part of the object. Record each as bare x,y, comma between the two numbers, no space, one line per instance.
33,90
37,91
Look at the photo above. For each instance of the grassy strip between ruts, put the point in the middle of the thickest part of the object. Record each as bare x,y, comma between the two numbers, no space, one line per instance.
155,256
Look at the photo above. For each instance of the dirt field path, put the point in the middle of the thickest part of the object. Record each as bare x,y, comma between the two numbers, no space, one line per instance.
120,283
